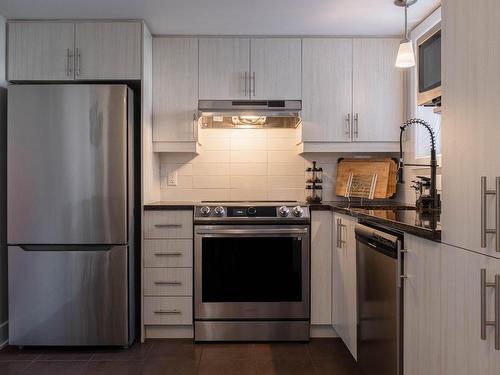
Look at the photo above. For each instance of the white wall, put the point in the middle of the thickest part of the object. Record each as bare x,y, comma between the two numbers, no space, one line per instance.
3,138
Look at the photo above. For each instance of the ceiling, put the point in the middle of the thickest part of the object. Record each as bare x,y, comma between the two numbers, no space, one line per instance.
235,17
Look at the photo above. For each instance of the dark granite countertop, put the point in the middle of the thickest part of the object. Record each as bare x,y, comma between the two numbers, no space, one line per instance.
169,206
391,214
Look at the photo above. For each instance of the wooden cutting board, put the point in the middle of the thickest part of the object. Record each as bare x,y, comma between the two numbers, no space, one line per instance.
386,170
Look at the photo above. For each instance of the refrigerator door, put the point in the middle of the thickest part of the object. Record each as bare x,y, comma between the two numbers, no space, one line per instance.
67,164
62,296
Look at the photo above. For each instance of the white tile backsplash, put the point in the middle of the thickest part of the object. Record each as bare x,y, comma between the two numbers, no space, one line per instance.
245,164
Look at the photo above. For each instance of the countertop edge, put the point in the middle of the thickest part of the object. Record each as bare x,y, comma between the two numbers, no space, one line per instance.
432,235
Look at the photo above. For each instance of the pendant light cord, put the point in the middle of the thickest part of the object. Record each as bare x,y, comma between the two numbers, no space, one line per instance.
406,22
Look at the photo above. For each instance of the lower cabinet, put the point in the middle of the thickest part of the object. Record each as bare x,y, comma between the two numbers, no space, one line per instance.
344,293
443,310
321,268
422,312
463,351
168,274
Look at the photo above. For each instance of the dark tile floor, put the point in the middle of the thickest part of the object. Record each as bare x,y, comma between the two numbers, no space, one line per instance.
183,357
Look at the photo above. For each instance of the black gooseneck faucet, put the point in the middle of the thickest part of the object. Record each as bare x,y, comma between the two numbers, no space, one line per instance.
432,165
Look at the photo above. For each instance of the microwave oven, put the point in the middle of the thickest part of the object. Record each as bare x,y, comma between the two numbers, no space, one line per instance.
429,68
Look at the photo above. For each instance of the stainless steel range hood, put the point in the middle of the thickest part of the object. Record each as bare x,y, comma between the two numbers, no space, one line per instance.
249,113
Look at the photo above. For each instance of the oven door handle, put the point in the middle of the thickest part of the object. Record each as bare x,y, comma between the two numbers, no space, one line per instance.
253,231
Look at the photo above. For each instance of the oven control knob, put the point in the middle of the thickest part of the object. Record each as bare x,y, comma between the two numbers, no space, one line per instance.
251,211
205,211
219,211
297,211
284,211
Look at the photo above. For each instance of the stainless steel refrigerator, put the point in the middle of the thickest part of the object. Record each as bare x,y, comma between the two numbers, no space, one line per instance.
70,215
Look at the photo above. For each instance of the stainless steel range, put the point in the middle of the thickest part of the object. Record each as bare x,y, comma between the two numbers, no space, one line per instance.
252,278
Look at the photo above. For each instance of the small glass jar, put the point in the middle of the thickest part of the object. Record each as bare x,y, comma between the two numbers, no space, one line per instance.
314,193
314,174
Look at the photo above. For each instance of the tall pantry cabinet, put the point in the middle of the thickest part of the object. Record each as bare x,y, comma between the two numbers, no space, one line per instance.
470,264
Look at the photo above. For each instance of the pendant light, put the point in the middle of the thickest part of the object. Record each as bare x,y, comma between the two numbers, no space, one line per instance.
406,56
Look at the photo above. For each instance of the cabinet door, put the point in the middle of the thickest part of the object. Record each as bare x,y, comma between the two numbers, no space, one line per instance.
108,50
351,283
422,296
276,68
339,288
463,350
470,131
224,68
321,267
344,292
326,90
378,96
175,89
40,51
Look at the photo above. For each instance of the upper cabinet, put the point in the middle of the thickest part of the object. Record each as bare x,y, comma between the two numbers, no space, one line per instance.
470,131
63,51
175,94
352,95
275,68
242,68
108,50
327,90
224,68
378,97
40,51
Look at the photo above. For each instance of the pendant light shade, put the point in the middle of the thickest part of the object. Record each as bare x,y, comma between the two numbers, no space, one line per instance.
406,57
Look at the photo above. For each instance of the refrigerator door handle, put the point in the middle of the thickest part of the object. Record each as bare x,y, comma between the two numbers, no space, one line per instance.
66,247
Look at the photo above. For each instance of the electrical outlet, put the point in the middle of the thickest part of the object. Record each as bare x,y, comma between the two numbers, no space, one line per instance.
172,179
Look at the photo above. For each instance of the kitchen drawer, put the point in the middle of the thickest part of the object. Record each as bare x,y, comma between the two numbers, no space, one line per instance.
168,310
168,253
168,281
168,224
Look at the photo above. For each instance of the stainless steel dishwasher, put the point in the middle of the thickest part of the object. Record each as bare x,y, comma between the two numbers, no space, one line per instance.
379,262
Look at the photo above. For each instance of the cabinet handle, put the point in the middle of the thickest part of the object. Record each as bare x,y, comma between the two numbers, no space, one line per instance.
173,254
168,225
484,212
253,80
69,58
356,125
172,312
348,129
168,282
195,126
77,62
246,78
494,323
339,233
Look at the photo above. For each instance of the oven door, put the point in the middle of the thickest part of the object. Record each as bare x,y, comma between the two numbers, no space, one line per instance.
251,272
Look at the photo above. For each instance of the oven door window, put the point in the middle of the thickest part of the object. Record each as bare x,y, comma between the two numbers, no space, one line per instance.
251,269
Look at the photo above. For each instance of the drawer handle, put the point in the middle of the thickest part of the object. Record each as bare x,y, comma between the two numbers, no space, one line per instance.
168,225
168,254
168,312
168,282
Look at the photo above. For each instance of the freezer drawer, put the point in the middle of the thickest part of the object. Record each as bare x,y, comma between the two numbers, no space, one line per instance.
72,298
